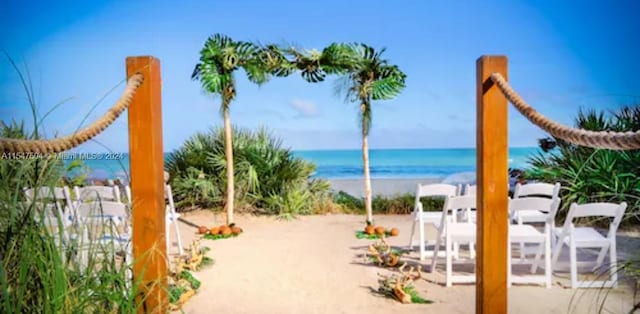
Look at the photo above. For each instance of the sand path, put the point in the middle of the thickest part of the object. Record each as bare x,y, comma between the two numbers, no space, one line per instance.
312,265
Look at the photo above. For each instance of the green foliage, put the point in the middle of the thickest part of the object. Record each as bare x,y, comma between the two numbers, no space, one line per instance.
401,204
210,236
76,173
268,177
37,274
415,297
195,283
363,235
594,175
195,190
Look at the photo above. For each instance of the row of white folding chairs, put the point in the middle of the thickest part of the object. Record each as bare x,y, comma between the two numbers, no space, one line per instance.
573,237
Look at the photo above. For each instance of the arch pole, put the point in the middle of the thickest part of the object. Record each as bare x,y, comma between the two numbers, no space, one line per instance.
492,200
146,163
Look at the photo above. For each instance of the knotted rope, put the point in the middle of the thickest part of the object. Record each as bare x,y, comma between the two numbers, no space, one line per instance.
602,139
61,144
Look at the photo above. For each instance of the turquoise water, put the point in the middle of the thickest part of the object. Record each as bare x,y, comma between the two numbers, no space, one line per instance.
347,164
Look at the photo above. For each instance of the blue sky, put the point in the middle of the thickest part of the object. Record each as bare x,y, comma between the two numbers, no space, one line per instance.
563,55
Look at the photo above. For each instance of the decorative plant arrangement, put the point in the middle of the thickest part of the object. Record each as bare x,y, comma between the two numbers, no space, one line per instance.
372,232
382,254
220,232
182,283
400,287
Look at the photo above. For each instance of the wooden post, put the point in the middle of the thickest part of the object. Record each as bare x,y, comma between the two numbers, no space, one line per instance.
492,176
147,186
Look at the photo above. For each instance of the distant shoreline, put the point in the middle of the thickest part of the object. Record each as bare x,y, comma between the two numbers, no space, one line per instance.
382,186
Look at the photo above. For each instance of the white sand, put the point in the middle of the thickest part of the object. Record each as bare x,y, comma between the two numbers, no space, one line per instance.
312,265
386,187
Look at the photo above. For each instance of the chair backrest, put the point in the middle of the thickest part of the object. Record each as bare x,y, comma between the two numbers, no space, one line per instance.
168,195
458,202
426,190
470,189
46,192
606,210
536,189
102,208
548,205
49,193
453,203
97,192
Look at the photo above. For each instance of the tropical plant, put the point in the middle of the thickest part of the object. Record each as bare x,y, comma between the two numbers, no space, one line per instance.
269,177
370,78
594,175
220,58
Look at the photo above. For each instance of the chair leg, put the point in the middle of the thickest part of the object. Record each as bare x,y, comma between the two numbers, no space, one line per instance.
167,238
421,237
541,249
556,253
547,260
411,238
613,268
436,249
175,225
573,261
601,255
472,249
509,263
449,266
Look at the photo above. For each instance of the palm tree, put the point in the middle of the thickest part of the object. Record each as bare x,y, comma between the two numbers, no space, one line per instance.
369,78
220,57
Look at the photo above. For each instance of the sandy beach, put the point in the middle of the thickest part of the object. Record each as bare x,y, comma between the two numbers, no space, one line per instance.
313,264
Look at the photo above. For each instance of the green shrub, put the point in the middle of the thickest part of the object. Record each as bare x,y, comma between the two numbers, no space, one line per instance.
268,177
37,274
401,204
593,175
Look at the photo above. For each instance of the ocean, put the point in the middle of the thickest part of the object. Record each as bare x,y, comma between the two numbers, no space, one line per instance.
347,164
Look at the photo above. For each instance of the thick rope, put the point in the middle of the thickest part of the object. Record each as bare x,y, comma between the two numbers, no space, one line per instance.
602,139
61,144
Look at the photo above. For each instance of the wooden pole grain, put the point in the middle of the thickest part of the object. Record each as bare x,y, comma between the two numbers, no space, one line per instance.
147,186
492,201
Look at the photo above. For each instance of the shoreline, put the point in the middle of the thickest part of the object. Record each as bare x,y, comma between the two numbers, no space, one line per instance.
381,186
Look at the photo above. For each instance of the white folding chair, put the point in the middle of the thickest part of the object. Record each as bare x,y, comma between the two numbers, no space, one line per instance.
588,237
521,233
61,196
105,229
172,219
171,216
534,215
421,218
97,192
454,231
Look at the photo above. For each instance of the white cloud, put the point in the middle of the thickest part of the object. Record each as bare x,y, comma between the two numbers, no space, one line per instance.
304,108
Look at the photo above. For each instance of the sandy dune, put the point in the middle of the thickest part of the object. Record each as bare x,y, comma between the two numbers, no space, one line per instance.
313,265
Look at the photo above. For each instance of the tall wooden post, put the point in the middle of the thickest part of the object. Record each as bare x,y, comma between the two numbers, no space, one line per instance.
492,176
147,185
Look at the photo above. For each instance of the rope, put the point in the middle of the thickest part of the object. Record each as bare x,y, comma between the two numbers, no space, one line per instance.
602,139
58,145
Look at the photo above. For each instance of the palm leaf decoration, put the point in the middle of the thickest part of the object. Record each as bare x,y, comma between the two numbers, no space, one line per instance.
368,77
220,58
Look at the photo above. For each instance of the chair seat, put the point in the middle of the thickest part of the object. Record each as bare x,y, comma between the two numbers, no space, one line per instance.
431,217
462,231
531,215
525,233
585,237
